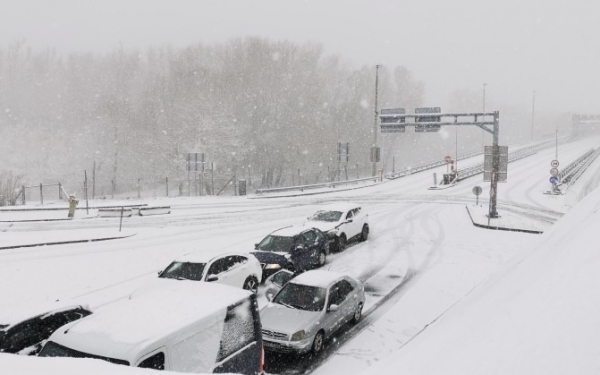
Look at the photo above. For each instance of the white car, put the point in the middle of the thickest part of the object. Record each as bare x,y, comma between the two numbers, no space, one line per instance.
341,222
236,269
309,309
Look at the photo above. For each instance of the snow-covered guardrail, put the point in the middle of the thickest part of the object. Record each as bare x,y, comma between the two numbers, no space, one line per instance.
573,171
426,166
478,168
314,186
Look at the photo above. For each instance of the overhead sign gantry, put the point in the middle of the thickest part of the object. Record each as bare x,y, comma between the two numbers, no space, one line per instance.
431,119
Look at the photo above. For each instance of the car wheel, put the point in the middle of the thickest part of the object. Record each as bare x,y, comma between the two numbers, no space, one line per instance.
364,234
322,258
341,242
357,314
251,284
318,343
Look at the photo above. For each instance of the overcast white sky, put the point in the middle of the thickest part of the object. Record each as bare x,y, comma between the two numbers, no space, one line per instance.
514,46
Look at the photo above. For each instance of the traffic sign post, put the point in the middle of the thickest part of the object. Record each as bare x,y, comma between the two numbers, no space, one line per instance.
477,191
554,164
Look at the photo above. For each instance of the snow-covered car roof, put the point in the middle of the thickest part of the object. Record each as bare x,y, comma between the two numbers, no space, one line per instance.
122,329
11,316
290,231
319,278
206,256
341,206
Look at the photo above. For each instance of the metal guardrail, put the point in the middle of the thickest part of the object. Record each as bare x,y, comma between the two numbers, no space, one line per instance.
406,172
478,168
426,166
573,171
314,186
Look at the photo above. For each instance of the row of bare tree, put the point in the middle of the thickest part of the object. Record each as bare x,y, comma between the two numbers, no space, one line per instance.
271,112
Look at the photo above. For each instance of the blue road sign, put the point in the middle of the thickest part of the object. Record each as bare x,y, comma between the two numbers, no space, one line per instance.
553,180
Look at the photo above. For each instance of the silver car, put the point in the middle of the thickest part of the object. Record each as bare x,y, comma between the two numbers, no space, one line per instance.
309,309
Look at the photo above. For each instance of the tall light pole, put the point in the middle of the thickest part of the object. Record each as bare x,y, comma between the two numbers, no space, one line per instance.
532,114
483,133
374,152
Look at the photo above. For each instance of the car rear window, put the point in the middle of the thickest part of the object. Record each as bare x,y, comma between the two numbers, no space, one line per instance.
239,329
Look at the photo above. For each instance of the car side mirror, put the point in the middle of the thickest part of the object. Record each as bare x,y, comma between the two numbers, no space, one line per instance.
160,272
333,308
255,246
270,297
212,278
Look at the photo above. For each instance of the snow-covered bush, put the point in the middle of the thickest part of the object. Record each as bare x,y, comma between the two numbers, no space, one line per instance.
9,188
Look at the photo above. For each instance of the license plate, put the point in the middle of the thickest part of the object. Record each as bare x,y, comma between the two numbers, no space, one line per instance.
268,344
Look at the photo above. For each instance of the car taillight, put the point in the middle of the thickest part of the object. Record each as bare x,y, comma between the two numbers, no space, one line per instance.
262,359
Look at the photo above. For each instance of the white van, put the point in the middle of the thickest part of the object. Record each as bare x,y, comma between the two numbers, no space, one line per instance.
185,327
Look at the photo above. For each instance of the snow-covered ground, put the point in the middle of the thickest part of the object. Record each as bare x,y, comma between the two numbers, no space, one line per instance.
420,239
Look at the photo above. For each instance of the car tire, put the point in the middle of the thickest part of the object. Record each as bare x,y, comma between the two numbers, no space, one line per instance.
251,284
357,314
364,234
341,242
318,343
322,259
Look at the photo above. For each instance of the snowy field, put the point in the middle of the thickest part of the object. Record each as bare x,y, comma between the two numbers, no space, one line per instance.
426,268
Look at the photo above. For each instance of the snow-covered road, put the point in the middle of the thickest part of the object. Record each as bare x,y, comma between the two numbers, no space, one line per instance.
414,231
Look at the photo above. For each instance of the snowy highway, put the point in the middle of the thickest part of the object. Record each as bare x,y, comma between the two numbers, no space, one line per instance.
422,246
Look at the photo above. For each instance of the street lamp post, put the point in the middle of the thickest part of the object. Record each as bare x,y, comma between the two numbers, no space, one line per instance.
532,114
375,121
483,133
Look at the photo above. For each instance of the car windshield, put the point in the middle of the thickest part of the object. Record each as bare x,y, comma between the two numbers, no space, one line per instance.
327,216
302,297
184,271
276,244
52,349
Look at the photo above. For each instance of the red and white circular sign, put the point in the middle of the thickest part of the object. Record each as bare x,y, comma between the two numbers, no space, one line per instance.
448,159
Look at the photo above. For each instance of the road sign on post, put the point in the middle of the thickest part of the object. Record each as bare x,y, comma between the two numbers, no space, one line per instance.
554,180
375,154
448,159
554,172
477,191
554,163
342,152
492,156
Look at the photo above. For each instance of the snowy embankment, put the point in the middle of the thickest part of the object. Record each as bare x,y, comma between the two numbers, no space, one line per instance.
538,315
22,365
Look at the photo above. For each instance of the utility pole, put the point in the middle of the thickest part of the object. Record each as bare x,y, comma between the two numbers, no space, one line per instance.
483,133
375,120
456,150
532,114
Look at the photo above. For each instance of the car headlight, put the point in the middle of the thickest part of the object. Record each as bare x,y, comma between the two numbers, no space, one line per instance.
298,336
273,266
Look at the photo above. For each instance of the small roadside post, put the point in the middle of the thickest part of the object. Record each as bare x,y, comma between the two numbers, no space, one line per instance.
477,191
121,220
